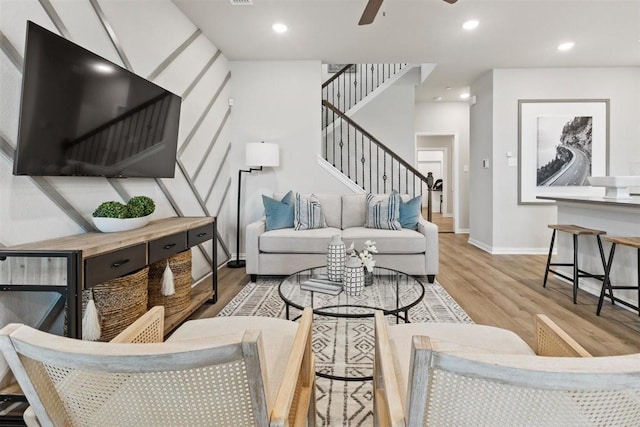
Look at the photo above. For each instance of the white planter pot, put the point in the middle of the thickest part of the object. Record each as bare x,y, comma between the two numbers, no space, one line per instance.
110,225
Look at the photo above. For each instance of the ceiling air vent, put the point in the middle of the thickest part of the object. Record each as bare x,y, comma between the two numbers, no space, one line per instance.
241,2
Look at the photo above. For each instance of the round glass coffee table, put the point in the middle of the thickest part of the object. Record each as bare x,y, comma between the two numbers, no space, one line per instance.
392,291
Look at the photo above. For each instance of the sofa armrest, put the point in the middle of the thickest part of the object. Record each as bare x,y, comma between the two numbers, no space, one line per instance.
430,232
251,245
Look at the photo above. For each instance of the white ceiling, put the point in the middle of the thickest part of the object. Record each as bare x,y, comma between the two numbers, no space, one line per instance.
511,34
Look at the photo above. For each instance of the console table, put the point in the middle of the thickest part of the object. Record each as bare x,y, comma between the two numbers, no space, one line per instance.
93,258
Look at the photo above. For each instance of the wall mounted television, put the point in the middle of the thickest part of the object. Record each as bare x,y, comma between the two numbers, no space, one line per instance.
82,115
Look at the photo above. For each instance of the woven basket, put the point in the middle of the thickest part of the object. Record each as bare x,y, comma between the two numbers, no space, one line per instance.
119,302
180,265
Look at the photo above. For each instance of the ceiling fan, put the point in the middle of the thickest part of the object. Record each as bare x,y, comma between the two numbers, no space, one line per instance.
372,7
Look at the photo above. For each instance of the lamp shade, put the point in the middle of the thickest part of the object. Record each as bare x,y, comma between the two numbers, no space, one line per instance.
262,154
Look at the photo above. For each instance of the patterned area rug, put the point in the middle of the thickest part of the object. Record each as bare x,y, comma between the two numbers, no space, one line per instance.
343,347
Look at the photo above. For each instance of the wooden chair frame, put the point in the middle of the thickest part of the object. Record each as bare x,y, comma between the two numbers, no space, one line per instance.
294,404
551,341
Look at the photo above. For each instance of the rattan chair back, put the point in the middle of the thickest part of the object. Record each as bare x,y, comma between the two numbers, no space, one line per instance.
213,381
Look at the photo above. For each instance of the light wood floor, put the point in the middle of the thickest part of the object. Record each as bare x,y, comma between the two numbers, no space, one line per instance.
445,224
505,291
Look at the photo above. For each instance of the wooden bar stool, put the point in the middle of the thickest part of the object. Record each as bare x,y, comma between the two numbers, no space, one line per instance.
607,288
576,231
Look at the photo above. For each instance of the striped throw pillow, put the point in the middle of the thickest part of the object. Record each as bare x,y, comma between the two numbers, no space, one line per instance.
308,213
383,212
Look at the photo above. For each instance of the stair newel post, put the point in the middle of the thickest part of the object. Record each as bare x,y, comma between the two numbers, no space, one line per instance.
429,190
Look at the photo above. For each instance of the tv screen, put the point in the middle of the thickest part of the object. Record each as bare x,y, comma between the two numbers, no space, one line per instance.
82,115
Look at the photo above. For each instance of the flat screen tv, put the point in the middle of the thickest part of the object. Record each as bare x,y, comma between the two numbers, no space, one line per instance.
82,115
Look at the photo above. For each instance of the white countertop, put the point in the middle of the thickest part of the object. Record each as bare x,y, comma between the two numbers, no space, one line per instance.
633,201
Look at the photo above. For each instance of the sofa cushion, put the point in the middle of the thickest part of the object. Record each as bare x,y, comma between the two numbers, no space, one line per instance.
383,211
354,210
278,213
404,241
288,240
308,213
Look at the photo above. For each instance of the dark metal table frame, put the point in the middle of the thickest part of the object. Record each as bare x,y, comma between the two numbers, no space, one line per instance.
398,312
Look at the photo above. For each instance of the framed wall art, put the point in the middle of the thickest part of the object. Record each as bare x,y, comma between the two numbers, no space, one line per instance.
561,143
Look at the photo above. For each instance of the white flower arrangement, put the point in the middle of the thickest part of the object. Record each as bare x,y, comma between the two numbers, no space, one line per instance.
365,255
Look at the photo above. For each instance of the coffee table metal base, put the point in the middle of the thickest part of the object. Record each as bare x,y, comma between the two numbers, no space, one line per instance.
389,301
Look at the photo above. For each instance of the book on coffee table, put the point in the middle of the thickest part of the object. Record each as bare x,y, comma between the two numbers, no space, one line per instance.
322,286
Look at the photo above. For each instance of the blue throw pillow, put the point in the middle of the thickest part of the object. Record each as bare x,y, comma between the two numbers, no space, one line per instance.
410,212
279,213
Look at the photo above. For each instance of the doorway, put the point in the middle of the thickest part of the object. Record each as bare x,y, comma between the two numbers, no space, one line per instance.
434,154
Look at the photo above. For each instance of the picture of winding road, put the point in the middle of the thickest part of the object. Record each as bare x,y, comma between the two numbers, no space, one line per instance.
564,151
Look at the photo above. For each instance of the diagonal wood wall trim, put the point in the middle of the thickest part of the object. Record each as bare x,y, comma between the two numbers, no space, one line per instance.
12,53
211,144
201,74
57,198
215,178
164,64
195,128
111,33
6,148
55,18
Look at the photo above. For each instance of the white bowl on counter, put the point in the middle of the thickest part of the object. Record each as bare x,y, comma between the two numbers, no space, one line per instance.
617,187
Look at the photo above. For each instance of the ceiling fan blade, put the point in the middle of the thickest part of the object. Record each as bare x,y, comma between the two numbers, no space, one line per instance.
370,12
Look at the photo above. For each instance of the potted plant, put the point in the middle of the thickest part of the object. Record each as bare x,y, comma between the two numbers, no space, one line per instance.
115,216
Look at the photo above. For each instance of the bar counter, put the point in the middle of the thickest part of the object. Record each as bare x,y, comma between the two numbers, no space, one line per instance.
617,217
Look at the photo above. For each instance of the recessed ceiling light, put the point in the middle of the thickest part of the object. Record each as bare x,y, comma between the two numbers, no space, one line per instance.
279,28
470,25
565,46
464,95
437,98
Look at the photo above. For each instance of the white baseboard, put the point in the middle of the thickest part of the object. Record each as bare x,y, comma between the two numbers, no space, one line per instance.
479,245
462,231
508,250
520,251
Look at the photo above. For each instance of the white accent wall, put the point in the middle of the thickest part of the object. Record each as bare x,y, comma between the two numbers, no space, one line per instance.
278,102
149,32
505,226
389,115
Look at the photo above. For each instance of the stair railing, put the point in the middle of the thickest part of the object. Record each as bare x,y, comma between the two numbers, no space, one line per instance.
354,82
368,162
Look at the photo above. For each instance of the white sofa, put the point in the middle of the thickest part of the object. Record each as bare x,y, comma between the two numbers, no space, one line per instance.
286,251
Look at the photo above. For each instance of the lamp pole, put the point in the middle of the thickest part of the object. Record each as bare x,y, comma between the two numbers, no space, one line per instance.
240,263
429,189
257,153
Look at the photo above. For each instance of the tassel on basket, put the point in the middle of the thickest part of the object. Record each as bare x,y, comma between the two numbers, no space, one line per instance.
168,286
91,321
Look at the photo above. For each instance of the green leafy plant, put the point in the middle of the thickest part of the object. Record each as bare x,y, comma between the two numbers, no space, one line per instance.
141,206
137,206
112,210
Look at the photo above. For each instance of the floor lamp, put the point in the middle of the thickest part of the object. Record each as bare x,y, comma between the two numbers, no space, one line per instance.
259,154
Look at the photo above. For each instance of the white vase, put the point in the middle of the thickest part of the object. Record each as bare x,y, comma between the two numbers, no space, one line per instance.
336,254
353,276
